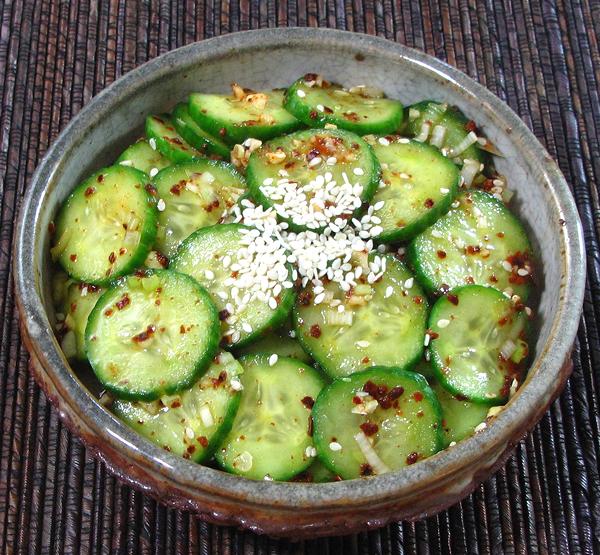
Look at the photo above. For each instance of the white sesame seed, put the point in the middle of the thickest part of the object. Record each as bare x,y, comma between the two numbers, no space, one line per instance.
153,172
444,191
160,205
522,272
480,427
389,291
189,432
320,107
507,265
379,205
314,162
310,451
358,171
273,359
443,322
383,141
152,143
409,283
236,385
335,446
300,93
272,303
247,327
209,274
268,181
426,339
331,161
126,162
362,344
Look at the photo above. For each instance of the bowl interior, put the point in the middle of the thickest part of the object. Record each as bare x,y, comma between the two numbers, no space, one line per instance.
275,59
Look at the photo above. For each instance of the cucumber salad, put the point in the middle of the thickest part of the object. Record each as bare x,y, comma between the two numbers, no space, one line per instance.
312,284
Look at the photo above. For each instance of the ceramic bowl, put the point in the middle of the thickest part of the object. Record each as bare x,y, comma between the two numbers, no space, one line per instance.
274,58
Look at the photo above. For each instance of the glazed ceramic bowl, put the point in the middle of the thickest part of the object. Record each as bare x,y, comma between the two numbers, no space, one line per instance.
274,58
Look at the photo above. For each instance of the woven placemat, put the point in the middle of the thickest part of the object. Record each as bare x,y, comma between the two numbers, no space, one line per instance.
541,57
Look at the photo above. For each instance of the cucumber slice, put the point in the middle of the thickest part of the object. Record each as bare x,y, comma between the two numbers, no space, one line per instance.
316,473
75,308
192,423
316,103
162,135
143,157
417,186
152,334
452,134
201,140
207,255
235,119
106,226
478,344
311,159
381,323
479,241
376,421
279,342
270,437
195,194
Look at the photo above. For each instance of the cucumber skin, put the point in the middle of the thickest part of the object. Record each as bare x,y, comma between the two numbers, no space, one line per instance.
365,375
263,359
201,366
254,183
147,235
211,145
437,364
410,231
175,155
427,283
294,105
279,315
235,134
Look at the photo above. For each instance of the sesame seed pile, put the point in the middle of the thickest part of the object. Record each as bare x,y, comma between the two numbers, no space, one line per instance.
269,247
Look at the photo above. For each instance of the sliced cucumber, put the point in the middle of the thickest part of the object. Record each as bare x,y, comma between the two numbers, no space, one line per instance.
106,226
452,134
417,186
282,342
381,323
208,255
152,334
143,157
479,241
270,436
192,423
479,343
201,140
162,135
75,308
316,102
307,157
316,473
376,421
235,119
195,194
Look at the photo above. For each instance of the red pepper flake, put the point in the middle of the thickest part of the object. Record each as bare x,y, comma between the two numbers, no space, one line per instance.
89,191
441,254
473,249
366,469
73,257
151,189
176,404
418,396
304,298
178,187
417,299
469,280
222,131
429,203
162,259
412,458
51,228
351,116
356,400
310,426
191,449
220,379
224,314
453,299
144,335
123,302
369,428
212,206
100,178
470,126
112,258
235,274
174,140
108,312
327,110
500,234
365,360
420,413
315,331
432,334
313,114
73,307
202,440
308,402
182,329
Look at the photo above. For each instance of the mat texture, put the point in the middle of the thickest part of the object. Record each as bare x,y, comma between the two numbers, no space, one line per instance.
541,57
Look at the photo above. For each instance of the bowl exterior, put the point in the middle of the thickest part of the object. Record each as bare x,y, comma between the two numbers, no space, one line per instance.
294,509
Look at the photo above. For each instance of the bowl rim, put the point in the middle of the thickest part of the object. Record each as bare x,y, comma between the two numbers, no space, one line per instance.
285,495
